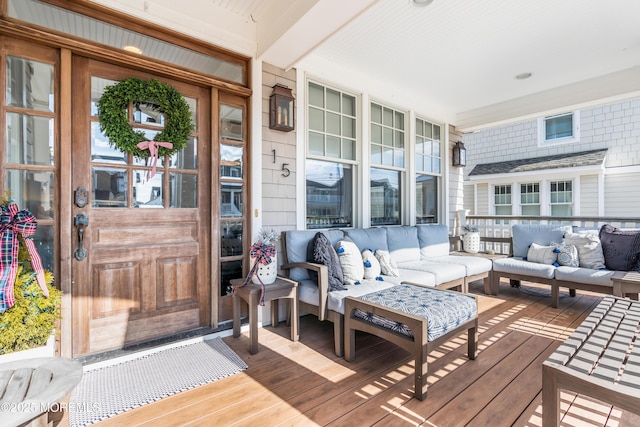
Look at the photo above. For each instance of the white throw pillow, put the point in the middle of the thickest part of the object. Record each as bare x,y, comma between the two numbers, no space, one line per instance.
590,253
371,265
542,254
567,254
388,266
351,262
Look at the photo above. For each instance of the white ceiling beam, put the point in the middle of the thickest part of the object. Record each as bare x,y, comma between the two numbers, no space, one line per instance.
608,88
285,41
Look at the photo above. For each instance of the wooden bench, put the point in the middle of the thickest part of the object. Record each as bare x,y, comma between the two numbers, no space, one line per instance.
31,388
601,359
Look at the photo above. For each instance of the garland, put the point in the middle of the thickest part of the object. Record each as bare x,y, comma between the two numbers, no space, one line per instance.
114,118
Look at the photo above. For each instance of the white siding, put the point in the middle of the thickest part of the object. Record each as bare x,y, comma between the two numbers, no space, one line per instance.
622,195
589,195
469,197
613,126
278,192
483,200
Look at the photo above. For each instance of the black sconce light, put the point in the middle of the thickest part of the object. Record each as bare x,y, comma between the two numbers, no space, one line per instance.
459,154
281,109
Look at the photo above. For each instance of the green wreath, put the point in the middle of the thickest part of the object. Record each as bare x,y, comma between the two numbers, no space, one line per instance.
114,118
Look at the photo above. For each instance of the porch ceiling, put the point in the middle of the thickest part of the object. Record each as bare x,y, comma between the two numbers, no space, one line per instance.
455,59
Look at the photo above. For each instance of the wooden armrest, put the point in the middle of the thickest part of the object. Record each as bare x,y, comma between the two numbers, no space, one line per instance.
323,283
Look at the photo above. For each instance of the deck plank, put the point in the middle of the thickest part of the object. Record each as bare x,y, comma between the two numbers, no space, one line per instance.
305,384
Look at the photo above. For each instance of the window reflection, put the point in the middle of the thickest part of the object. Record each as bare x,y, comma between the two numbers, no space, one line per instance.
231,238
230,161
98,85
329,194
426,199
29,84
32,191
184,190
147,193
29,139
385,197
228,271
231,199
148,113
231,122
101,151
109,188
187,158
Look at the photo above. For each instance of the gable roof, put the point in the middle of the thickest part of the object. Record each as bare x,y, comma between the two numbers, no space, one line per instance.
567,160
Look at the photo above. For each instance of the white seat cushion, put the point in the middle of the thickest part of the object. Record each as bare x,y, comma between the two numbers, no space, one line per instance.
587,276
517,265
474,265
444,272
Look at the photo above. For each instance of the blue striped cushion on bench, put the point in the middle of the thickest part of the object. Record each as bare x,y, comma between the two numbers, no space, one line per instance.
443,310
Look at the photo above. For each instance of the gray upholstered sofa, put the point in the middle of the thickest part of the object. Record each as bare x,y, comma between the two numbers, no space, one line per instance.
591,273
420,252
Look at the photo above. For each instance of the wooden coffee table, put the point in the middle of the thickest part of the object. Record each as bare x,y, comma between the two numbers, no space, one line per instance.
626,282
601,359
250,293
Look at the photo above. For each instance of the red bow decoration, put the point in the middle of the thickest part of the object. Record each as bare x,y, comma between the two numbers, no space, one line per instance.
262,253
152,146
12,223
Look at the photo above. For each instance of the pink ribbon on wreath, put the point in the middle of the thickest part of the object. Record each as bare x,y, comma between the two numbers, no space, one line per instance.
152,146
263,254
14,222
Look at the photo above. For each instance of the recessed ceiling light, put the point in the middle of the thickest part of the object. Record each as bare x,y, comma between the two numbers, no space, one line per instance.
133,49
421,3
523,76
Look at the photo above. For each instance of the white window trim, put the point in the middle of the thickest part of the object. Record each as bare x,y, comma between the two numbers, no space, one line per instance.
542,142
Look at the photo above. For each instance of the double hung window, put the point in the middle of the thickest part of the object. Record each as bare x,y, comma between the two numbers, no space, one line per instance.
387,164
331,157
530,199
561,198
428,169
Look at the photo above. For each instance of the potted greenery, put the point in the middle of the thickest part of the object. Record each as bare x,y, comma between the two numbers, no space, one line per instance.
470,239
30,322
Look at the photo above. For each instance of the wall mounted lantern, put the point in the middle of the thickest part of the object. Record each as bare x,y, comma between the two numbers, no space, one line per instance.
459,154
281,109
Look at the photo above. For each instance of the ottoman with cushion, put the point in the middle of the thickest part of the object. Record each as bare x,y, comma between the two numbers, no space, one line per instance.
415,318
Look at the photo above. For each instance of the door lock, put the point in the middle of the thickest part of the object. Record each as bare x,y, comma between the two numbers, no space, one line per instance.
80,197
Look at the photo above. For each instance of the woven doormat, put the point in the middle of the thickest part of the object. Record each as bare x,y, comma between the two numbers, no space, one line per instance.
107,391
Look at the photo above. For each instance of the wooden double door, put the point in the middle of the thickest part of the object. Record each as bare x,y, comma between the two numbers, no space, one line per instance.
141,245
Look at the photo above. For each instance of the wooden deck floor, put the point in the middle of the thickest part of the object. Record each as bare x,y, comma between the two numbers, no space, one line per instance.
304,383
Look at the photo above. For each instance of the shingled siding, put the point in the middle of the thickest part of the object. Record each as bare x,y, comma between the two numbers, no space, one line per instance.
609,139
278,191
615,127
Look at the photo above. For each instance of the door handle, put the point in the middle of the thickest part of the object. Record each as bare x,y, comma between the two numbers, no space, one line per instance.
81,221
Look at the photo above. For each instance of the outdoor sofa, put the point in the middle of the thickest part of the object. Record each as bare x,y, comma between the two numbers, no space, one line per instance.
567,256
421,254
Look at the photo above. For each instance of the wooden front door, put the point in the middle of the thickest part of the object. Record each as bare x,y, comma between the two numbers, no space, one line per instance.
145,269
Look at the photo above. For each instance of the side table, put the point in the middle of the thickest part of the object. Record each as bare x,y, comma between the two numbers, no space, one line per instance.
488,280
250,293
626,282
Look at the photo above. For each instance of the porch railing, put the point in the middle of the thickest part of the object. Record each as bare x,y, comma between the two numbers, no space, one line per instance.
495,230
